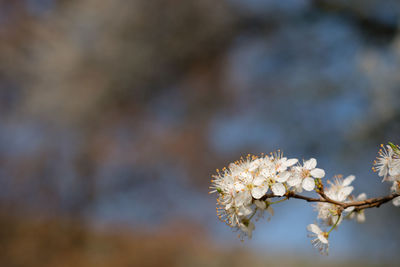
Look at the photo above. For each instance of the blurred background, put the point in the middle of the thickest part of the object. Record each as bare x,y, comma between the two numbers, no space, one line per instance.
114,115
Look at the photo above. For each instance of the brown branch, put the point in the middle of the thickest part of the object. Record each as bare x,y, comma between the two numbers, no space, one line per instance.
359,205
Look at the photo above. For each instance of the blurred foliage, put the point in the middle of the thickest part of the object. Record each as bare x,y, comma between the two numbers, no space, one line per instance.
119,110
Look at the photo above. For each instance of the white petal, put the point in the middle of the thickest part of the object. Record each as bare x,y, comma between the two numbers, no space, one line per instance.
278,189
310,164
394,167
259,180
259,191
323,239
239,186
396,201
250,229
246,176
317,173
308,184
383,172
348,180
294,180
349,209
298,188
314,228
361,217
270,210
245,210
254,165
247,229
243,198
291,162
251,226
266,172
362,196
260,204
345,192
281,168
282,177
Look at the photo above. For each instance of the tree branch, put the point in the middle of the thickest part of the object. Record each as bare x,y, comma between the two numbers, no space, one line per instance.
359,205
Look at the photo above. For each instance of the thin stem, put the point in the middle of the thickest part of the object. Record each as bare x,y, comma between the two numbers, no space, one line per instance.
254,213
336,223
278,201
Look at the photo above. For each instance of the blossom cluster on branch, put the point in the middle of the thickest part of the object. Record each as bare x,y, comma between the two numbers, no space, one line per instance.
249,187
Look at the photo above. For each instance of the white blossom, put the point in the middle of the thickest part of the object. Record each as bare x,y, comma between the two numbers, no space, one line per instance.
262,205
247,228
275,172
320,240
241,186
387,164
358,215
339,190
303,176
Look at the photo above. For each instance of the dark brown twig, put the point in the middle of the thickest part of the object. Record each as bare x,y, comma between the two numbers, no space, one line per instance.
359,205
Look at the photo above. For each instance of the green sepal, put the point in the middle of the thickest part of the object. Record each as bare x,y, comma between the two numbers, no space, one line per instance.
395,148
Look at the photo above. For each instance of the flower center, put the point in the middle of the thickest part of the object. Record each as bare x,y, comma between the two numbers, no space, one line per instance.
305,173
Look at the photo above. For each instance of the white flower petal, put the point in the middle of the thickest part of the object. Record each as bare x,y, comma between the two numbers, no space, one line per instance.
294,180
344,193
266,172
247,229
282,177
362,197
383,172
349,209
322,238
243,198
361,217
308,184
239,186
310,164
254,165
317,173
259,191
245,210
281,168
291,162
258,180
270,210
299,188
278,189
246,176
396,201
348,180
314,229
260,204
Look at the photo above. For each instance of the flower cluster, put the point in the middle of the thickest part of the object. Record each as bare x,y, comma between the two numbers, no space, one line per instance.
331,214
242,186
247,187
387,164
340,191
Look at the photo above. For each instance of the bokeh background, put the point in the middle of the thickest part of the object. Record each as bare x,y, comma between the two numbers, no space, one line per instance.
114,115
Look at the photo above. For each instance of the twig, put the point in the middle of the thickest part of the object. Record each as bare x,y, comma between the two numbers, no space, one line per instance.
359,205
